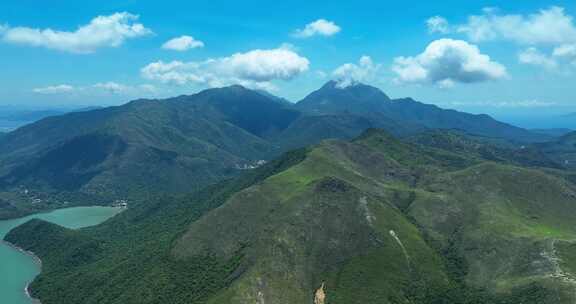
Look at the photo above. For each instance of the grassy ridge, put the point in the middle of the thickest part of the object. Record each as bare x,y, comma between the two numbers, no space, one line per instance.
377,220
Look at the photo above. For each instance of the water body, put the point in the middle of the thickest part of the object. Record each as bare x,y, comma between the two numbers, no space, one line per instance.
17,269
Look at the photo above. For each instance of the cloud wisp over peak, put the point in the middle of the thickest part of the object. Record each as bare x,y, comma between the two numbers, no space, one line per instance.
350,73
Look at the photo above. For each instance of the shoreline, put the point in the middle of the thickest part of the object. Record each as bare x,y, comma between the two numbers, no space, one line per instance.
27,292
44,211
38,265
37,261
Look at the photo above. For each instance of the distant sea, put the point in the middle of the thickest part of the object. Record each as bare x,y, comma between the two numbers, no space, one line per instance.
540,122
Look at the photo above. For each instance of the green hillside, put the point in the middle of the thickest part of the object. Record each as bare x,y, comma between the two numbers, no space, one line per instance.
374,220
562,150
144,147
185,143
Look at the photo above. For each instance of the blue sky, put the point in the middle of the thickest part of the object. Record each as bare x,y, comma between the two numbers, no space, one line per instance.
499,57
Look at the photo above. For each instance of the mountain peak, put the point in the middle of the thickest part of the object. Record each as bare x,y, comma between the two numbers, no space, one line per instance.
331,84
236,87
332,97
230,93
348,85
355,89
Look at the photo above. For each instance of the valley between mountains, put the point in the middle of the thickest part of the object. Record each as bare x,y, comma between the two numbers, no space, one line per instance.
359,199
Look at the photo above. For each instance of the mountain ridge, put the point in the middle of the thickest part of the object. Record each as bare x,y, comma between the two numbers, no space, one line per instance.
376,220
173,145
190,141
367,100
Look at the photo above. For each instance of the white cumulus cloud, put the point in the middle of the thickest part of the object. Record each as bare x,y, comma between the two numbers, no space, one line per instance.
350,73
102,31
438,24
565,53
445,62
320,27
534,56
567,50
182,43
55,89
548,26
560,58
548,36
254,68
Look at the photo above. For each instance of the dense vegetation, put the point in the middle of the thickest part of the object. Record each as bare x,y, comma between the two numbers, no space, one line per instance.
127,259
436,218
562,150
176,145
